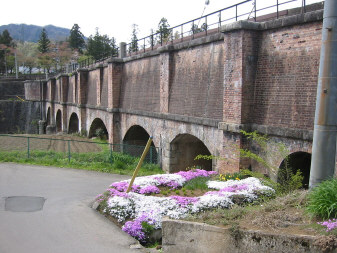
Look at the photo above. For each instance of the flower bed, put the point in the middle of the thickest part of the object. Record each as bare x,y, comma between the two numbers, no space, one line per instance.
141,210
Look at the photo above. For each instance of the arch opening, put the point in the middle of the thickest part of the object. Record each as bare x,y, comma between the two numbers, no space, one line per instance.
98,129
296,161
59,121
134,142
183,150
73,124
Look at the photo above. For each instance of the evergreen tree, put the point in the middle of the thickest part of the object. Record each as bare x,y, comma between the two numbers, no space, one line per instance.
100,46
163,30
43,42
6,39
76,39
114,47
6,46
134,39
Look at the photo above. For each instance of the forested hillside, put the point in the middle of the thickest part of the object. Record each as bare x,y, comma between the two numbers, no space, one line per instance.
31,33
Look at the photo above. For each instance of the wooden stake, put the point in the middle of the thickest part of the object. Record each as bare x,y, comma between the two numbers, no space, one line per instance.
147,147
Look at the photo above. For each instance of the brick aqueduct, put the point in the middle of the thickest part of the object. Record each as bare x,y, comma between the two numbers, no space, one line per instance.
194,97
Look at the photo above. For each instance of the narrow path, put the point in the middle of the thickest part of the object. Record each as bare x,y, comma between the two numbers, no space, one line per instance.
64,221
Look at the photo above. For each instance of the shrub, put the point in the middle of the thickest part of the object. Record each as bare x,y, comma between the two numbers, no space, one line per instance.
322,200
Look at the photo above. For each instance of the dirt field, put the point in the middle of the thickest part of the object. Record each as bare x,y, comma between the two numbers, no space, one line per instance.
56,143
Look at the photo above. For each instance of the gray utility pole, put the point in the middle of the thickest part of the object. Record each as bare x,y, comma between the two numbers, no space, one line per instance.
323,160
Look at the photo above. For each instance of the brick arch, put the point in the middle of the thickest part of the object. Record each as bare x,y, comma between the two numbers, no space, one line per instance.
59,120
183,150
295,161
134,141
73,123
97,124
155,140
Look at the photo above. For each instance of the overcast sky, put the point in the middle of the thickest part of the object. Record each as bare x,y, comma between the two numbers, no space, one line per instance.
114,17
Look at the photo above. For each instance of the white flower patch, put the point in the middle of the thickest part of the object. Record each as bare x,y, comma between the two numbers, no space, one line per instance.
158,179
120,208
158,207
252,183
211,201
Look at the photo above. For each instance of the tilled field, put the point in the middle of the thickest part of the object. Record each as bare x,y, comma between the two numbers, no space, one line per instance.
57,143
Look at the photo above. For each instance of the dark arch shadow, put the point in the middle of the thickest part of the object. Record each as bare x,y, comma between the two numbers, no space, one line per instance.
134,142
73,124
59,121
98,129
297,161
48,116
183,150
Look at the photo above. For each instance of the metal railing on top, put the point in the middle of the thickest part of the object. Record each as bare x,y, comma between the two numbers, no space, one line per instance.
210,24
195,28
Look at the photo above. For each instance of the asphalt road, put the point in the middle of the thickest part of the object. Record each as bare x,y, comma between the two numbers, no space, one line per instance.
60,220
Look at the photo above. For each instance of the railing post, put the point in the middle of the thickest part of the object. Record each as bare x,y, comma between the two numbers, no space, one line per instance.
206,24
161,38
277,8
69,155
28,155
144,45
236,13
255,10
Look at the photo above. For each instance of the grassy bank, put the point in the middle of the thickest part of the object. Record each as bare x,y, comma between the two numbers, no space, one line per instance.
96,161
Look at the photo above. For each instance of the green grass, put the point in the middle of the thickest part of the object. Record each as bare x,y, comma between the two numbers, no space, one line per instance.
197,183
97,161
322,200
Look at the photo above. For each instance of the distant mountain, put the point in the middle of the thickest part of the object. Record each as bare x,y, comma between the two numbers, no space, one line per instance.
23,32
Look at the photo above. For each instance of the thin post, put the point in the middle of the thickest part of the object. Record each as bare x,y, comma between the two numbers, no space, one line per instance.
110,153
28,154
147,147
325,130
69,155
236,12
206,24
255,10
277,8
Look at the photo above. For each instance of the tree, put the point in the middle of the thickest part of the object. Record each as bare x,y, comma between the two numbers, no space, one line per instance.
6,47
45,59
76,39
134,39
195,29
100,46
43,42
163,30
6,39
27,54
114,47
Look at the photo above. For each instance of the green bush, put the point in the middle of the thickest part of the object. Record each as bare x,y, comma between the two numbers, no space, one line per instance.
322,200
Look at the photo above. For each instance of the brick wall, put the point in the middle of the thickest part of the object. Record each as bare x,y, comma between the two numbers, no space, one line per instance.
141,84
71,88
93,81
286,77
197,81
104,88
